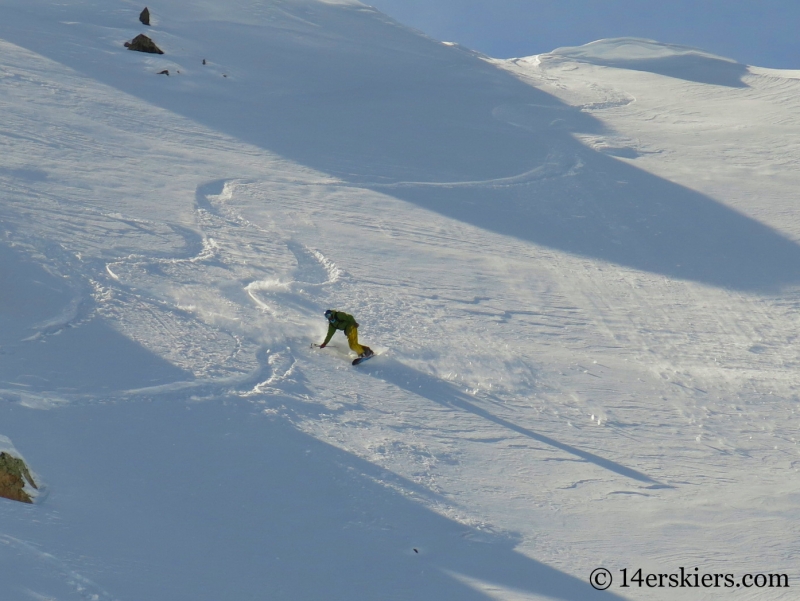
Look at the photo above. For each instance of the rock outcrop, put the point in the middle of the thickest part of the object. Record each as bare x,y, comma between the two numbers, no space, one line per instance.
13,475
144,17
141,43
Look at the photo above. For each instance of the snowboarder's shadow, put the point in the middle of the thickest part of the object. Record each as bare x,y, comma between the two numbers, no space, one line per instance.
444,393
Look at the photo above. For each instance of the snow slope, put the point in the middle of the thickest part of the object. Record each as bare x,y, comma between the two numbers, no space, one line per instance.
580,270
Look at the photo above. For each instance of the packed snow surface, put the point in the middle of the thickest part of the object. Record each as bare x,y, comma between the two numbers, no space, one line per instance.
580,271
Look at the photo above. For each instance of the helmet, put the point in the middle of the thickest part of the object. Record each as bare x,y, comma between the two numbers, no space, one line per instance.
329,315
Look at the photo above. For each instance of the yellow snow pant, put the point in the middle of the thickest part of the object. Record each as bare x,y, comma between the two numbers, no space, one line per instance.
352,339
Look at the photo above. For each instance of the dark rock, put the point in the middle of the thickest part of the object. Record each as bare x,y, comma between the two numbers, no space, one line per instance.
141,43
164,72
204,61
145,16
13,474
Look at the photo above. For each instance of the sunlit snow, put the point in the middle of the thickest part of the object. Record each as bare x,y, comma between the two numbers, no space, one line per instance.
580,271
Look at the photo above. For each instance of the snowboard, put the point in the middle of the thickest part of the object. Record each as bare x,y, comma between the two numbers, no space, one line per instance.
362,359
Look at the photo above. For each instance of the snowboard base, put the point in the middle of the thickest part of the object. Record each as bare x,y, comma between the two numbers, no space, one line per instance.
360,360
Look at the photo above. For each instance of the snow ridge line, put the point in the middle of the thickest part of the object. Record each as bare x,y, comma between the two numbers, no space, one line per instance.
556,165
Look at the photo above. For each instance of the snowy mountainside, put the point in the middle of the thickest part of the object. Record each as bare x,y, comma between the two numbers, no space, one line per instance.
580,271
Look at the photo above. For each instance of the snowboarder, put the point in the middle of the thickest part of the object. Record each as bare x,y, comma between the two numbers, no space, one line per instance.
339,320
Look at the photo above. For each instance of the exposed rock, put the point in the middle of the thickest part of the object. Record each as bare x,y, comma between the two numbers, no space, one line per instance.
145,16
12,484
141,43
164,72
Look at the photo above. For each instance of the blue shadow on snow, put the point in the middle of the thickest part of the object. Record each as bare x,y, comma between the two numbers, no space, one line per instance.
221,503
444,393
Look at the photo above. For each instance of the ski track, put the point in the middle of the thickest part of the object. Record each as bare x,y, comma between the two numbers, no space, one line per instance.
51,568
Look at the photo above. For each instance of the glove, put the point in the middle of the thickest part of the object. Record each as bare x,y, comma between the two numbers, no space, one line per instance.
322,346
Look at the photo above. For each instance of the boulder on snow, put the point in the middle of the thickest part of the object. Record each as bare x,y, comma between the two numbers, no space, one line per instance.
144,17
13,475
141,43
